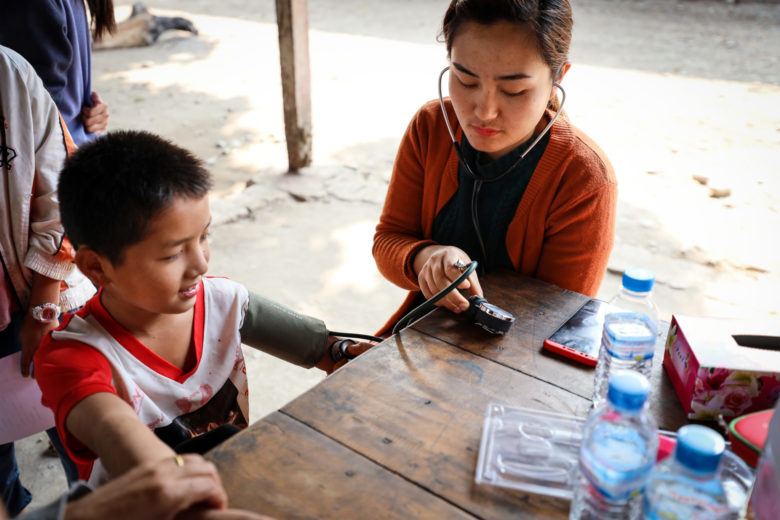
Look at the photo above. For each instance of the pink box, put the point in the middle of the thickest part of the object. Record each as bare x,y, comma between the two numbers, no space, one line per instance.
721,366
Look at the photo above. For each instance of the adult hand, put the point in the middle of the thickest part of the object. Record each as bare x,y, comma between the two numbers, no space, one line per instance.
435,268
157,490
95,118
31,333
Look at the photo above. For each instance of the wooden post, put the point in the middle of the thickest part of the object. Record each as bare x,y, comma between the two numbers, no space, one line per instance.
292,19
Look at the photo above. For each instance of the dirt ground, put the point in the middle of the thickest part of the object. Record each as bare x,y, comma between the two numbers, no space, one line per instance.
672,90
684,97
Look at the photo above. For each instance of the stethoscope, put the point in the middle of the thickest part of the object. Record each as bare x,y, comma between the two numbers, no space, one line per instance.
478,181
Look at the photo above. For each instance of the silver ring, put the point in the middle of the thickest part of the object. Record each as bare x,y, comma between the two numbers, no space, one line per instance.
460,266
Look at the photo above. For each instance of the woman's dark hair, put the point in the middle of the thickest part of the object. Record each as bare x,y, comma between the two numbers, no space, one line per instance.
550,20
101,13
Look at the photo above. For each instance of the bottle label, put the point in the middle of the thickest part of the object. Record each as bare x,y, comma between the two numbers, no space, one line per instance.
685,503
615,460
629,336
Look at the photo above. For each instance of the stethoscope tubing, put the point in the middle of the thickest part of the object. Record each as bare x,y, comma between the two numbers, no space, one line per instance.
428,305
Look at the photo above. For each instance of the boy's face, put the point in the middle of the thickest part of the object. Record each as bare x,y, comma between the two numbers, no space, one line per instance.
160,274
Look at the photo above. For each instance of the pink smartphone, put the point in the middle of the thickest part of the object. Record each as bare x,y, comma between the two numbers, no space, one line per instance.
579,338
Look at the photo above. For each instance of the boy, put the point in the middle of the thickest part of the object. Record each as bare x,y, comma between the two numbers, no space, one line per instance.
155,359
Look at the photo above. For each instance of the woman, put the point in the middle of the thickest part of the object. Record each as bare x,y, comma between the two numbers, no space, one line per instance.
530,192
54,36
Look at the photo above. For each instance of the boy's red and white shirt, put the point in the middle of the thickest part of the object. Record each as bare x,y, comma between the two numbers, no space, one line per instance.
92,353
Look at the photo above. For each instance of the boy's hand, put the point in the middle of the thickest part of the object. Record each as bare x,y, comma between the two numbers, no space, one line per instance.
340,351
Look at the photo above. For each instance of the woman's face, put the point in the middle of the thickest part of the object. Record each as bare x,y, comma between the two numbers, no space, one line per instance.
499,85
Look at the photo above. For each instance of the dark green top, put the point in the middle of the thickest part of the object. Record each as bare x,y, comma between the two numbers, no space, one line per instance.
497,201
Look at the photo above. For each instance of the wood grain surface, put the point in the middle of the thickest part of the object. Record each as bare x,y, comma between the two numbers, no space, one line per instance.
283,469
416,405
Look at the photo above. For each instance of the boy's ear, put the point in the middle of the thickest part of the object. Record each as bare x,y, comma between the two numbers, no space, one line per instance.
93,265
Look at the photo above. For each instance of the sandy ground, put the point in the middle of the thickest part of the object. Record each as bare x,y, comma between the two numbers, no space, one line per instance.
673,91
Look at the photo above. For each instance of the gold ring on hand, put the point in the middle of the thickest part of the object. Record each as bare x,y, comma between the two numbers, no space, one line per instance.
179,460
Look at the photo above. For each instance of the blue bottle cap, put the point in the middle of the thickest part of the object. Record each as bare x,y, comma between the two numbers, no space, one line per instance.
699,448
628,390
638,279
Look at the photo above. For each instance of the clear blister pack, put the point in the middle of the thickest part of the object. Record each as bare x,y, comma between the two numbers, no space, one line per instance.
530,450
538,452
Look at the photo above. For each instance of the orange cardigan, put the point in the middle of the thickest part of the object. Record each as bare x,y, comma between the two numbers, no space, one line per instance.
564,226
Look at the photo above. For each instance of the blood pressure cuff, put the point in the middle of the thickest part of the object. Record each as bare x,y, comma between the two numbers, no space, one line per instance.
283,333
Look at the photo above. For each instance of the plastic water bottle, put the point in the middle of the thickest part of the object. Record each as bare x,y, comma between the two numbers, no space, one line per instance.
620,441
686,485
636,294
630,330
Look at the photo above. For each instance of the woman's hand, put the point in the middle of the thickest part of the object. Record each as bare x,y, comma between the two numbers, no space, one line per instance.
435,268
95,118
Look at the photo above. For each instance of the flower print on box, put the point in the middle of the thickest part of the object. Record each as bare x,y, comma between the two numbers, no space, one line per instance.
720,391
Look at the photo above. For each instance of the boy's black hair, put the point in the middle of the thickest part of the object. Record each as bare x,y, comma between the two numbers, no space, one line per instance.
111,187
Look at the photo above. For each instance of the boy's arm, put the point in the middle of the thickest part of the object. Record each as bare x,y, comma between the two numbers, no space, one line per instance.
109,427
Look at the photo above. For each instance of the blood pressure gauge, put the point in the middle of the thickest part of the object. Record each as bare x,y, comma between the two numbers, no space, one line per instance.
490,317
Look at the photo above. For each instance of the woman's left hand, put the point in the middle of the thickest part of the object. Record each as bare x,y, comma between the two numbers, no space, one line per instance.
436,268
95,118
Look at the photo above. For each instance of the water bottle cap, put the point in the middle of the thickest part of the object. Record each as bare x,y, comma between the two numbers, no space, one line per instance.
638,279
628,390
699,448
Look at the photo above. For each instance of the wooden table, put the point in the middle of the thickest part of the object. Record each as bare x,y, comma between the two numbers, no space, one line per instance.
396,432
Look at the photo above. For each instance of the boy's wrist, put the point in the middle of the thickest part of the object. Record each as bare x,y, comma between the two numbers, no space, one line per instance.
338,349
